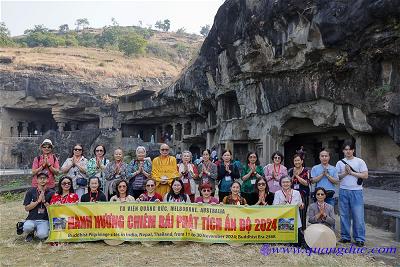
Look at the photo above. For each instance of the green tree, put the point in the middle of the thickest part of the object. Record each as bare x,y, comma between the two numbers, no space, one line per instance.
37,28
87,39
71,39
164,26
205,30
181,31
45,39
84,23
132,44
114,22
5,39
64,28
109,36
167,25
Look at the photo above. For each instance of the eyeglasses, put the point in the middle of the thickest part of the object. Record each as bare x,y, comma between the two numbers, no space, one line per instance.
164,149
206,190
320,194
77,149
261,184
150,185
99,150
47,147
66,183
121,186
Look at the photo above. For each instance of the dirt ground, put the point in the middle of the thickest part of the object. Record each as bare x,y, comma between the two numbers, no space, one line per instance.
14,251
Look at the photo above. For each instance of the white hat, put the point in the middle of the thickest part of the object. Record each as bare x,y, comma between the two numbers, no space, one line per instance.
46,141
320,236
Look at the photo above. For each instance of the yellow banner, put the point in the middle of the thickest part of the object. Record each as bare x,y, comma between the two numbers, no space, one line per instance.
172,222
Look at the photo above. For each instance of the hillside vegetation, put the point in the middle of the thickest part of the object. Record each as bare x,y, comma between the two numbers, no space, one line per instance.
165,55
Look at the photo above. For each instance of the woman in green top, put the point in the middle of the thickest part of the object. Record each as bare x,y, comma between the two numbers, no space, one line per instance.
251,171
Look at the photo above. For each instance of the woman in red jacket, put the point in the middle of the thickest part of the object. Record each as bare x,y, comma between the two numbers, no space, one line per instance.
65,193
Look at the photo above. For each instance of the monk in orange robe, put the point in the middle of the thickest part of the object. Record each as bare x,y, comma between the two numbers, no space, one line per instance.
164,170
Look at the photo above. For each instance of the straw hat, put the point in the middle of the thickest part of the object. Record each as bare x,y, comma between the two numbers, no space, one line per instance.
320,236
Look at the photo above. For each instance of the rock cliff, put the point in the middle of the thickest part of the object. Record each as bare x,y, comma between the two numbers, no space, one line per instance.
276,53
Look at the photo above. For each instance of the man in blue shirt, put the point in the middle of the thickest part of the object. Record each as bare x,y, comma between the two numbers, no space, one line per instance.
326,176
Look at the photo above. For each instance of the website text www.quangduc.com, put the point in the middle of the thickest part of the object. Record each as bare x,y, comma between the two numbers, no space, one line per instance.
266,250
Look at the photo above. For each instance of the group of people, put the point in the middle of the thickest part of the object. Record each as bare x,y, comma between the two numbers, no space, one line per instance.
163,180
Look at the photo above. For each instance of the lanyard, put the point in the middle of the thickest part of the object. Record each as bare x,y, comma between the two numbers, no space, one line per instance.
287,199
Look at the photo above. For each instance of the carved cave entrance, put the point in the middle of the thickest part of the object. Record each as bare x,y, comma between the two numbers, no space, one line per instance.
313,139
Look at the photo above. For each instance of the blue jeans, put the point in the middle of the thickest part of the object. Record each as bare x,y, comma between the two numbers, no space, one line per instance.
351,207
41,227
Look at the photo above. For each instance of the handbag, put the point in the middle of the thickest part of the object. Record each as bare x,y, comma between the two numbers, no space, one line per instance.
81,182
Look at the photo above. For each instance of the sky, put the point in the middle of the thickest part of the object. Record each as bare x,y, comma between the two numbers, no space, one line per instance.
189,14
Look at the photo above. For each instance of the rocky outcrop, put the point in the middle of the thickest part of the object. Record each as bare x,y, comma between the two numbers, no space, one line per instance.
275,53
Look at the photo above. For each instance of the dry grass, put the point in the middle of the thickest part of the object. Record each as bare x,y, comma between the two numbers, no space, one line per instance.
96,64
15,252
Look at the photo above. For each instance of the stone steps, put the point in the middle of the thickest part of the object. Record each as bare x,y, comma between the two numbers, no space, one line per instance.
383,180
376,201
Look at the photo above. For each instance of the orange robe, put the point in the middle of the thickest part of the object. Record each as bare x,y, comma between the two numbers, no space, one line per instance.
164,167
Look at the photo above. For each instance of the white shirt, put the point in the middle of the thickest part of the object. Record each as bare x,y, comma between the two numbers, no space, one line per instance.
349,182
280,199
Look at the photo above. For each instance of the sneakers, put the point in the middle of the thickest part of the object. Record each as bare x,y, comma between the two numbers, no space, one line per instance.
344,241
29,237
359,243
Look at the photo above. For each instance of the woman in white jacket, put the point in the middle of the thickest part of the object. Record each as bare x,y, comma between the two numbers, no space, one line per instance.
288,196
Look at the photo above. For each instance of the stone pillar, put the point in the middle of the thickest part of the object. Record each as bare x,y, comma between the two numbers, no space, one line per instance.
208,141
157,136
366,149
173,133
24,129
60,126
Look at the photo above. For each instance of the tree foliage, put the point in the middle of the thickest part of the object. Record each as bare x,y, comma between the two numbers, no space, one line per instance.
109,36
5,39
37,28
205,30
163,25
45,39
64,28
132,44
181,31
84,23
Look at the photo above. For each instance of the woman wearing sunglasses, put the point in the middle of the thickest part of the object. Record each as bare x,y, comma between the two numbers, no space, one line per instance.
122,193
206,190
97,165
75,167
263,196
65,193
274,171
320,211
150,194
